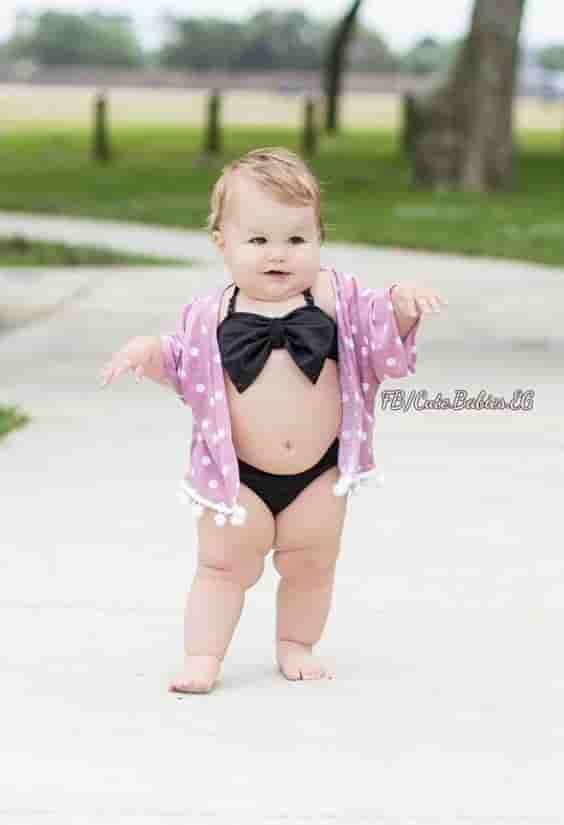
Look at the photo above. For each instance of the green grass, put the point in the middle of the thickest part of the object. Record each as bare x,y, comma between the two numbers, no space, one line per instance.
11,419
157,177
19,251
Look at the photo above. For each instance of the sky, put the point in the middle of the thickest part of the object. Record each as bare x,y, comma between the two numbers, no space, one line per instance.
401,22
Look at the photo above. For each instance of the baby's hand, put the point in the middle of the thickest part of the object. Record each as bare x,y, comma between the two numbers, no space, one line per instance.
411,300
136,355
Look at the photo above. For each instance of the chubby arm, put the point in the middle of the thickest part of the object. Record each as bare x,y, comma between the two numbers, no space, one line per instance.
410,302
376,336
154,367
405,322
142,355
392,317
160,357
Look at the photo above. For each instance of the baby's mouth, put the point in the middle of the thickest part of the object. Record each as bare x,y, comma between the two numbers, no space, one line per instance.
276,272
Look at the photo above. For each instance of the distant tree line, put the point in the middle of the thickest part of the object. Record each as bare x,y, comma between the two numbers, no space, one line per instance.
268,40
56,38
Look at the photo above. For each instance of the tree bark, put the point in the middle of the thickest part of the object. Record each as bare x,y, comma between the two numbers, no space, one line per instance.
335,65
459,133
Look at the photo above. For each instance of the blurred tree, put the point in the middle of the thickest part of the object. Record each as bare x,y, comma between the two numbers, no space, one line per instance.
280,40
552,58
268,40
369,52
200,43
459,133
429,55
55,38
335,62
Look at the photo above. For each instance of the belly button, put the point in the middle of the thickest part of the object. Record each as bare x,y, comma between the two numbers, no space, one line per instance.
288,445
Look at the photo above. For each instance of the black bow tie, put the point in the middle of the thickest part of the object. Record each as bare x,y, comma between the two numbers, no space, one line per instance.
246,340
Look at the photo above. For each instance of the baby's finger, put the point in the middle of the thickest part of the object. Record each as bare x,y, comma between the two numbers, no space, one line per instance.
113,371
139,373
411,308
122,367
424,305
104,376
433,304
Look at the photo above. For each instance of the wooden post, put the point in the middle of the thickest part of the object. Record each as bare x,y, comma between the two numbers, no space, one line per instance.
212,137
101,148
408,128
309,135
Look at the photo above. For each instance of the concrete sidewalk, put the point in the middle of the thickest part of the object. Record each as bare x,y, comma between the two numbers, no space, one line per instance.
448,703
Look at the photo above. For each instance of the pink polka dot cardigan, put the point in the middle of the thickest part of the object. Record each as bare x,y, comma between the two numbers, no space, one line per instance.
370,350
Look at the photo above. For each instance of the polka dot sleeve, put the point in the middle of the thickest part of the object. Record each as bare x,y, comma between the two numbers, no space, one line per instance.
172,348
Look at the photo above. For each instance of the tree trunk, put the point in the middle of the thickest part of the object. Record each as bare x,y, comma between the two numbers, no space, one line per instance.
335,65
459,134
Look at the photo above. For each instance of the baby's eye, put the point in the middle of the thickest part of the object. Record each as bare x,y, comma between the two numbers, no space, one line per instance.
256,239
297,238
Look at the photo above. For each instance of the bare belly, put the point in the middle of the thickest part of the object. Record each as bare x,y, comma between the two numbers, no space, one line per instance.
283,423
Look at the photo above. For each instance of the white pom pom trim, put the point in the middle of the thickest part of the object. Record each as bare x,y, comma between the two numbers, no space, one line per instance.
237,514
353,484
342,486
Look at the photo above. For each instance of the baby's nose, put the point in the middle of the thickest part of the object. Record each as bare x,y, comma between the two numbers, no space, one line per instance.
277,254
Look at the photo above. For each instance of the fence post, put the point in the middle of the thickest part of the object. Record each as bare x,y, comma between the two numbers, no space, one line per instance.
101,148
212,135
309,134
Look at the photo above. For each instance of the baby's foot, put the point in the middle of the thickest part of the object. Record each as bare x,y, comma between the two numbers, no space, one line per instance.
296,661
197,676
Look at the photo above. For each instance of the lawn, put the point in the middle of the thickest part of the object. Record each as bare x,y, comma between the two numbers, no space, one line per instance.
158,177
10,419
16,250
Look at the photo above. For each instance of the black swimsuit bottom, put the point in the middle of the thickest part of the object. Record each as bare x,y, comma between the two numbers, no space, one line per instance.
277,490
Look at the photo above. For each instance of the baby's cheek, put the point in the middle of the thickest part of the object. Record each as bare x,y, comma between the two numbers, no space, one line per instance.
245,258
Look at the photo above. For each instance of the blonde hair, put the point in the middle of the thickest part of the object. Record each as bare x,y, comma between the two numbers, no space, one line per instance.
279,172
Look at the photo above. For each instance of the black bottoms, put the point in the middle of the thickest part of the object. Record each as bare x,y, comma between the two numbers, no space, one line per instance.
279,490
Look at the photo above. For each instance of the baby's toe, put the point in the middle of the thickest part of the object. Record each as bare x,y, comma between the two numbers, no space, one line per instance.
191,686
313,673
292,673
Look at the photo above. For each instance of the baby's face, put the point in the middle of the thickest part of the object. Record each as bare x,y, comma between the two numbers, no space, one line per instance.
260,234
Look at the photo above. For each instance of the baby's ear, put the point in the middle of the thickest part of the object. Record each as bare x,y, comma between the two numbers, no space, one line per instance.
217,238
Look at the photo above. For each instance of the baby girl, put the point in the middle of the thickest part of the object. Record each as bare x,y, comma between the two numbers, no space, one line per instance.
281,369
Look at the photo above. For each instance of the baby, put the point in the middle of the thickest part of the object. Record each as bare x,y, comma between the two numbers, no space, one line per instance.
281,369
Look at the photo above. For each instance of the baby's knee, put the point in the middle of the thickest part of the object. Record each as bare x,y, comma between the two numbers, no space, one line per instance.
242,572
305,565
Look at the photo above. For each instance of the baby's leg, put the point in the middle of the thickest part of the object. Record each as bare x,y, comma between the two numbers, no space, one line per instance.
307,545
230,560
